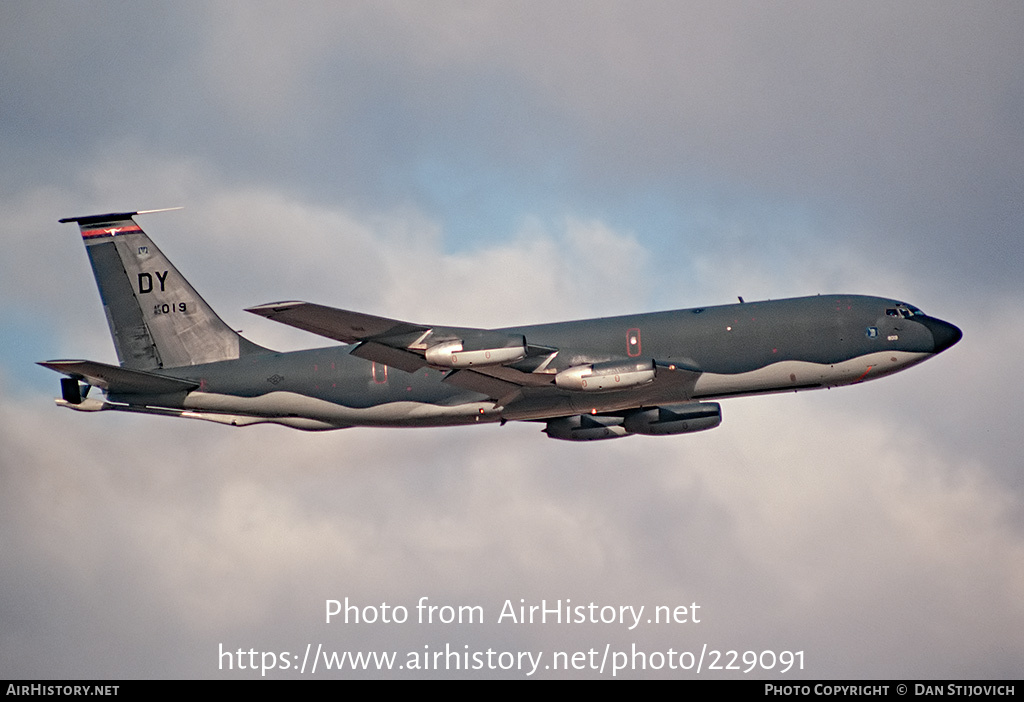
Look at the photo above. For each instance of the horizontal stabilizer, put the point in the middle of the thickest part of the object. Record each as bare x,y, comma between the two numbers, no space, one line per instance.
120,380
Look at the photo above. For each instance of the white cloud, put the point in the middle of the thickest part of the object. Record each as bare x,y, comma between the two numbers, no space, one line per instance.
842,521
877,527
830,507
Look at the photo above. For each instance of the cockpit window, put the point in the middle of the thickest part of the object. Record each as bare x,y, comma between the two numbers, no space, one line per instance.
904,311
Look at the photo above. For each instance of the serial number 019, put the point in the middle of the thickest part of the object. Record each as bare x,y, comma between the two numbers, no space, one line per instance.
748,660
165,308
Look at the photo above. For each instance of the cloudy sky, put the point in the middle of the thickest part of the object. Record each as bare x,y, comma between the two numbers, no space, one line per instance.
498,163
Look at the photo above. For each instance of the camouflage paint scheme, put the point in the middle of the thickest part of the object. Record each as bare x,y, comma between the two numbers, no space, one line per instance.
652,373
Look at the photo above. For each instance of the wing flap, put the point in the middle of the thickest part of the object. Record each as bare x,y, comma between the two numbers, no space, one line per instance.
516,377
498,390
389,356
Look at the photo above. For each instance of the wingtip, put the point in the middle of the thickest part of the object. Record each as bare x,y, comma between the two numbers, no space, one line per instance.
58,363
269,308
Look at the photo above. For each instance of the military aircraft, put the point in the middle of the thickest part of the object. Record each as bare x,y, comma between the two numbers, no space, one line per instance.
653,374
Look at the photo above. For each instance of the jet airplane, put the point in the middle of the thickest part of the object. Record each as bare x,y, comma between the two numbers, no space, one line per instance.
655,373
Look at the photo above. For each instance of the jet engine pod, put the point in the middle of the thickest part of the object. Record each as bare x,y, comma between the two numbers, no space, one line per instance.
583,427
610,375
674,419
483,350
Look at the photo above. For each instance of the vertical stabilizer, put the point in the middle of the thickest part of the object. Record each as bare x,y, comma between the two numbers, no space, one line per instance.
157,320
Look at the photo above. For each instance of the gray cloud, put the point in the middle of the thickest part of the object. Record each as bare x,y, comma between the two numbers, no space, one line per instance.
545,163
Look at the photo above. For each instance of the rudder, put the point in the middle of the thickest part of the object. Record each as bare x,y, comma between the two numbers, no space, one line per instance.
156,319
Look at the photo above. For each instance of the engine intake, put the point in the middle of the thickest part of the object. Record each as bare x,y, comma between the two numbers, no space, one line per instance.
583,427
674,419
490,350
610,375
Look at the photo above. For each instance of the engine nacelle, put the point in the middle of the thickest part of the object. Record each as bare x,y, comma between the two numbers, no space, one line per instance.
610,375
582,427
490,350
674,419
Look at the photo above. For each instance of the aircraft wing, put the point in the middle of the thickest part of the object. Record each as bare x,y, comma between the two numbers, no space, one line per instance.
380,339
503,384
409,346
501,365
342,325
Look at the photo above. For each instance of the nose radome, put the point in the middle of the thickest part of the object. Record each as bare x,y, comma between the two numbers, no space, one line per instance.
944,333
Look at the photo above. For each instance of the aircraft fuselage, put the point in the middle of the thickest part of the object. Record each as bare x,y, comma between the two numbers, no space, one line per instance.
740,349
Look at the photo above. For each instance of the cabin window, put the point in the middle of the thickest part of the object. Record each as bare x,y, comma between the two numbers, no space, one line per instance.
904,312
380,373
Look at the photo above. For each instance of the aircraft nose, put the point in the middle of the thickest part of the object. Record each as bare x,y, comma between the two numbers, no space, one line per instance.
944,333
